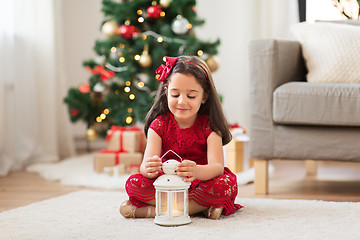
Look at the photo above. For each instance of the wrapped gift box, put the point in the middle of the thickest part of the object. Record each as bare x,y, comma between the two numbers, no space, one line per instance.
107,159
237,153
126,139
115,170
133,168
121,169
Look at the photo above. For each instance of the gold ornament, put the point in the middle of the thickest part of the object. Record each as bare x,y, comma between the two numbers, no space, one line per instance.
213,63
145,59
91,134
165,3
110,28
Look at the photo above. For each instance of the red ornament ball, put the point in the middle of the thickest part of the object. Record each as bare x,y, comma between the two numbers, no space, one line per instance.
127,31
74,112
84,88
154,11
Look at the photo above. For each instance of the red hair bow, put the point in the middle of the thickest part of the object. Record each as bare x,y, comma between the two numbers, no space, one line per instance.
164,71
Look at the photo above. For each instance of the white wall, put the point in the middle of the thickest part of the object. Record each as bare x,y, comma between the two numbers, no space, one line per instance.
231,21
82,20
236,22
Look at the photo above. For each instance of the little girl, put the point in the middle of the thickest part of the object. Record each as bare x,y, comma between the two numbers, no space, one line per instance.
186,118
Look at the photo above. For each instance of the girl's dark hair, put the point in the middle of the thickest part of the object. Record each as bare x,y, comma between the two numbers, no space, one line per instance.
212,107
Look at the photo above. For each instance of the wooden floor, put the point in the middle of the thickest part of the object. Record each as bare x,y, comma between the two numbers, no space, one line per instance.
335,181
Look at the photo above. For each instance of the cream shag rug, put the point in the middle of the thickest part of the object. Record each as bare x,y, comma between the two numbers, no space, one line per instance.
95,215
78,171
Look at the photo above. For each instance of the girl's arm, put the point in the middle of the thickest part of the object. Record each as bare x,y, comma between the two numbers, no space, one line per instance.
215,166
151,163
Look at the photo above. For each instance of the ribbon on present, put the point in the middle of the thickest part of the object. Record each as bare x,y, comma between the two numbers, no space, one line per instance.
114,129
117,153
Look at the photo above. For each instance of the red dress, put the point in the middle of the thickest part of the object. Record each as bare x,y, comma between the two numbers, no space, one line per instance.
189,143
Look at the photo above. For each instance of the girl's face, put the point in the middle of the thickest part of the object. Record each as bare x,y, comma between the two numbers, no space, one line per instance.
185,96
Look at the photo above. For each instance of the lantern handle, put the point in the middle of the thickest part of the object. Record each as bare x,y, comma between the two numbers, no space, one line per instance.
171,151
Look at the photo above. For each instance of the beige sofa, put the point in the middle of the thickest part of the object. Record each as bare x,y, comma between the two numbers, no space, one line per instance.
294,119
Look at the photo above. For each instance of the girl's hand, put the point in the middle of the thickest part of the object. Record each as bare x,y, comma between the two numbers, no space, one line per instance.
187,169
152,166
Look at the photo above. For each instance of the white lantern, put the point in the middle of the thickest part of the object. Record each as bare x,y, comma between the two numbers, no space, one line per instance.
171,197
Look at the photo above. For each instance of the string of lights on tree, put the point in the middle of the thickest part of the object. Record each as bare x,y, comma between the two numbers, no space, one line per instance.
137,36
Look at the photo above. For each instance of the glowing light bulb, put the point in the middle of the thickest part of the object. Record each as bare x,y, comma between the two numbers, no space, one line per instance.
102,116
106,111
141,84
129,120
127,83
139,12
132,96
98,119
113,49
160,39
141,19
137,57
121,59
162,14
127,89
200,52
130,110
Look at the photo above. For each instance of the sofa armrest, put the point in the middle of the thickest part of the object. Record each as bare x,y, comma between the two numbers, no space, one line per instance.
272,63
275,62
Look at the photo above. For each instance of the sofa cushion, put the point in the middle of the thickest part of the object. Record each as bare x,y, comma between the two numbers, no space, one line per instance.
331,51
304,103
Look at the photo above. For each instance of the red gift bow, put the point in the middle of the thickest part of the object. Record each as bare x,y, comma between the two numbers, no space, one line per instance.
116,155
164,71
114,128
99,69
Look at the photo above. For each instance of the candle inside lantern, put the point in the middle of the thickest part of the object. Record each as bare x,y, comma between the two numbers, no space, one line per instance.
171,197
177,204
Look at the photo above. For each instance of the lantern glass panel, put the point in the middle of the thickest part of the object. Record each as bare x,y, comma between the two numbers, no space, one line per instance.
163,203
177,204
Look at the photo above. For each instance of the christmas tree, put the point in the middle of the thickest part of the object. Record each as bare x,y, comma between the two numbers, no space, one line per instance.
137,36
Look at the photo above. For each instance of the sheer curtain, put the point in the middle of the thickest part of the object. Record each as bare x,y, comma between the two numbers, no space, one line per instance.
34,125
237,23
275,17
